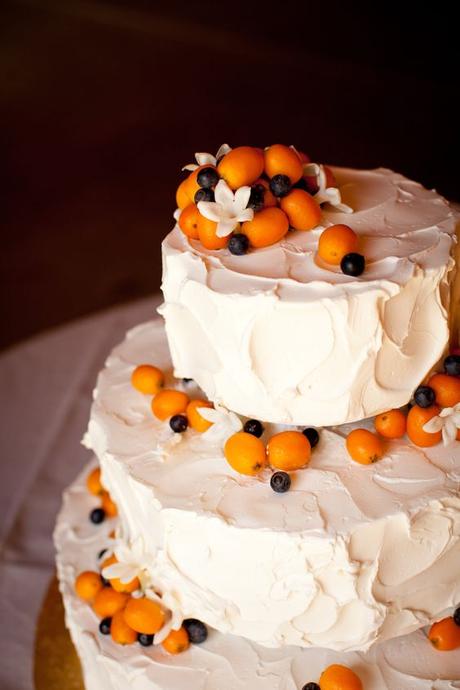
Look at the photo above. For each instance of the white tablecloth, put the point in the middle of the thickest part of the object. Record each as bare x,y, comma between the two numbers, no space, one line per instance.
45,395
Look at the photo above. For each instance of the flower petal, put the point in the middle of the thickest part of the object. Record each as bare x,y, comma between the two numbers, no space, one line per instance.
311,169
247,214
210,210
241,199
190,166
344,208
322,180
433,425
225,226
209,413
223,150
224,195
205,159
449,432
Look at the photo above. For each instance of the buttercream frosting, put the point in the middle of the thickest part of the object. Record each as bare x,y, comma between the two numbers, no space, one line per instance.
281,335
351,555
223,662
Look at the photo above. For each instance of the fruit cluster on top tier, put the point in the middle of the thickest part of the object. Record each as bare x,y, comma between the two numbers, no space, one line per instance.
248,197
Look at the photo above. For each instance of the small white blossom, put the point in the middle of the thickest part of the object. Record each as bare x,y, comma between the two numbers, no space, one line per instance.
330,195
224,424
448,420
175,617
228,209
207,158
133,561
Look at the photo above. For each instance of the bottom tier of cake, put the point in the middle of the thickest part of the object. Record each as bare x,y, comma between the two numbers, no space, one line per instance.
223,662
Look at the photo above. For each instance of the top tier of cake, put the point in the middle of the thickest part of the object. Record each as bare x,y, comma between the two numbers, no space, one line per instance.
280,335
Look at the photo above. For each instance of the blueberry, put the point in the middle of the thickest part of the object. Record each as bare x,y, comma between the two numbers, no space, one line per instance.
238,244
424,396
196,630
312,436
311,686
178,423
280,482
97,516
280,185
452,365
353,264
104,626
254,427
203,195
145,640
256,198
301,184
456,616
101,553
207,178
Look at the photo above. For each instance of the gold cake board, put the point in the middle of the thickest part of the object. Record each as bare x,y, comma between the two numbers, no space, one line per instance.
56,664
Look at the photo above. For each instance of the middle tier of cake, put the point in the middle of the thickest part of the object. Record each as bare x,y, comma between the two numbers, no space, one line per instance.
350,555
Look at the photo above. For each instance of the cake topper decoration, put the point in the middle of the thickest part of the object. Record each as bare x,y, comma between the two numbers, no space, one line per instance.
255,193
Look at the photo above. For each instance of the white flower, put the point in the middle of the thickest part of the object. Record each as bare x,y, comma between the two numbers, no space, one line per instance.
207,158
228,209
330,195
224,424
133,561
448,420
174,613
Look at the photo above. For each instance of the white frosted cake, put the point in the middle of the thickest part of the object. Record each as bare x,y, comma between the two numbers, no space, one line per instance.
282,518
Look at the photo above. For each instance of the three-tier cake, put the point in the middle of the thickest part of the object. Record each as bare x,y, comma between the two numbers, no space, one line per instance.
275,502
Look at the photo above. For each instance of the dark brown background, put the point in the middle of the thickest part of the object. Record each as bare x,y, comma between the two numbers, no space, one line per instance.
103,102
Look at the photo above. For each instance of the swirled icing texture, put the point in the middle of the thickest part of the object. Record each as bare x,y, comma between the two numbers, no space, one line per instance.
223,662
352,554
277,335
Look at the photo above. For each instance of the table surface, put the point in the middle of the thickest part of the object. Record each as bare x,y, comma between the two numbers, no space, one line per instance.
45,396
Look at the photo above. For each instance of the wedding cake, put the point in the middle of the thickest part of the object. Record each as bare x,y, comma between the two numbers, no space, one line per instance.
274,498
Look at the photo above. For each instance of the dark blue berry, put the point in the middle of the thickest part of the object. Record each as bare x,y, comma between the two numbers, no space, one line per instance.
280,482
101,553
280,185
238,244
353,264
452,365
145,640
254,427
456,616
104,626
424,396
311,686
203,195
256,198
207,178
196,630
97,516
312,436
178,423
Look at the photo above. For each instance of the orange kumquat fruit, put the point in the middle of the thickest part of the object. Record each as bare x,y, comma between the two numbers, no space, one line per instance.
335,242
288,450
245,453
364,447
169,402
416,419
147,379
391,424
